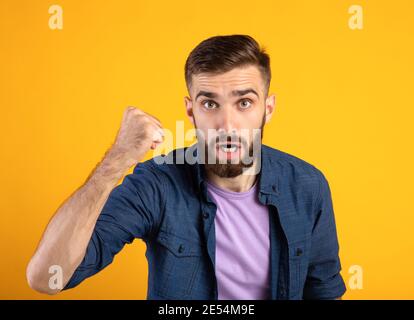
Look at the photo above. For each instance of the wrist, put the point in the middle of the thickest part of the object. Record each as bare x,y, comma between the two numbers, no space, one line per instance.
111,169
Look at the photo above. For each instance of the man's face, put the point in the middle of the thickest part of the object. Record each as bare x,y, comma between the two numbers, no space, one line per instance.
229,110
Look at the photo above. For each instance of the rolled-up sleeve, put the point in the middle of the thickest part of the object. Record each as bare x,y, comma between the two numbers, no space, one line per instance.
131,211
324,280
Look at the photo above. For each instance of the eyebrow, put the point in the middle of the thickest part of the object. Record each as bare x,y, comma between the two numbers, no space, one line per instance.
240,93
237,93
206,94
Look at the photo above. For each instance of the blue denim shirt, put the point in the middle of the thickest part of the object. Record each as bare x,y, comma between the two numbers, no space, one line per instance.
168,207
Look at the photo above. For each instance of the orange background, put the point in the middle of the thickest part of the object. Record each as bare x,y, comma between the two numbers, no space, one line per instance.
344,104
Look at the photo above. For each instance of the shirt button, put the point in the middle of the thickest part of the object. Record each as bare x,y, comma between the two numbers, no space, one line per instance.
180,248
205,215
299,252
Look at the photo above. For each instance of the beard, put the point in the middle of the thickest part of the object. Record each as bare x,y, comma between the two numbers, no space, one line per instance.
229,169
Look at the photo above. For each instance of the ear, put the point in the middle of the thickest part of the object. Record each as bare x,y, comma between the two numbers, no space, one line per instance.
270,107
189,108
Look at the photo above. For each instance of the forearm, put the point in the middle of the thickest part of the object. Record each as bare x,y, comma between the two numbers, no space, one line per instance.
67,235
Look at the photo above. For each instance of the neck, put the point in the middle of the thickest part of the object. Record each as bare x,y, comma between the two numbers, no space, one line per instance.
241,183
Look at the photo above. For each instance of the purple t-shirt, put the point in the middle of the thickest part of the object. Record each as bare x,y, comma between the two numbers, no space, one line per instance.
242,244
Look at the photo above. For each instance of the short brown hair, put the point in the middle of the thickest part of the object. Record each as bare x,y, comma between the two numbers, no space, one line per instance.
220,54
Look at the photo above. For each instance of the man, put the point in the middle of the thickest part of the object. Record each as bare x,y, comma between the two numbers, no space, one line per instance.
254,223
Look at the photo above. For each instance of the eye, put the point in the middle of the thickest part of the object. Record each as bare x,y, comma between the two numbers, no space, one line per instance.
245,103
209,104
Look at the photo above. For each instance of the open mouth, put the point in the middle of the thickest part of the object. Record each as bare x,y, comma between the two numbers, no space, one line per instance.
229,147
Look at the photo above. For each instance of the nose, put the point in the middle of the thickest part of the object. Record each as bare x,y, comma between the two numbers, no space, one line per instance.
227,120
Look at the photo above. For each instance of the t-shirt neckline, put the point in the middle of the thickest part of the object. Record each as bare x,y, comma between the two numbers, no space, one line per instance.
232,194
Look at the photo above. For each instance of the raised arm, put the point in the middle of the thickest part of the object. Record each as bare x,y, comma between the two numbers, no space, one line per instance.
68,233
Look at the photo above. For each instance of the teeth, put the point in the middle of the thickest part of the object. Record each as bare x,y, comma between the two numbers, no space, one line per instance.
231,149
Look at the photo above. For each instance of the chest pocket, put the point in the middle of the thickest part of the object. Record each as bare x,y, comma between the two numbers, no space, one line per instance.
180,261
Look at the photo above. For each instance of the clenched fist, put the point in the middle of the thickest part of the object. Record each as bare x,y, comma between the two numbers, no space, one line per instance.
139,132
